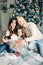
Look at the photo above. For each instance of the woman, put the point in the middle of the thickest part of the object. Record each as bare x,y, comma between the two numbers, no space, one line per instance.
31,29
11,31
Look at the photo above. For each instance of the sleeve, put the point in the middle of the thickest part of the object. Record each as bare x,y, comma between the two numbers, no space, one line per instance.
36,34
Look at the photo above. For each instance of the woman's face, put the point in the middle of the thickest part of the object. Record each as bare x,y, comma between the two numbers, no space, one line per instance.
19,32
13,24
20,22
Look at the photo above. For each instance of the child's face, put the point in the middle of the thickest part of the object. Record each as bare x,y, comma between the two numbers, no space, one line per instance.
19,32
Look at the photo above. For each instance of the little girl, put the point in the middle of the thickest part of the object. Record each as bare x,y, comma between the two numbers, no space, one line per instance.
23,48
16,38
20,35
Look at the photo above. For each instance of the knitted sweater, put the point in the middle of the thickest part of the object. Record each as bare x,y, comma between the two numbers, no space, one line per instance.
33,31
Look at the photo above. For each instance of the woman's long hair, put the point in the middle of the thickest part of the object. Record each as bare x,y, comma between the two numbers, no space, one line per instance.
9,26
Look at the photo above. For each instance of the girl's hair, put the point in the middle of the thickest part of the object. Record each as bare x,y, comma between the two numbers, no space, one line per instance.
24,35
19,27
9,26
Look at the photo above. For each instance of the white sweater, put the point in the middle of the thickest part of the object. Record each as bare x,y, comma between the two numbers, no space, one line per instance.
36,34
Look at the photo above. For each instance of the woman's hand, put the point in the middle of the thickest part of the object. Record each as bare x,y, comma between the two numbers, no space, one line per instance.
20,43
16,41
5,39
